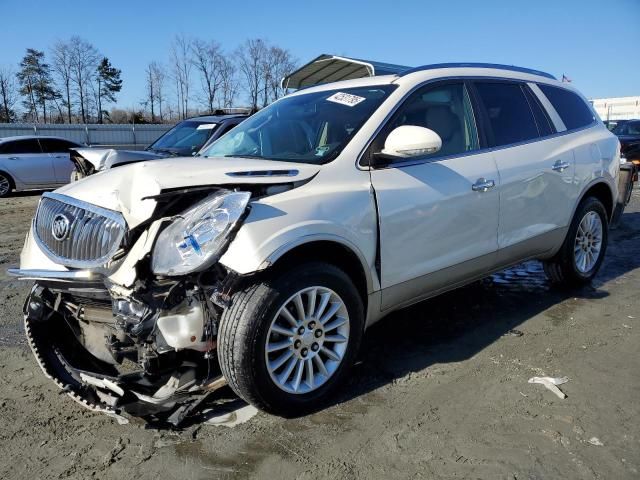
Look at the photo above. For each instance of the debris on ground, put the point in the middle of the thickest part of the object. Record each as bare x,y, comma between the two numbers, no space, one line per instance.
551,384
595,441
513,333
228,417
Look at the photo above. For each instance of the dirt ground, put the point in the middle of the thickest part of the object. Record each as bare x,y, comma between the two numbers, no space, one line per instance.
440,391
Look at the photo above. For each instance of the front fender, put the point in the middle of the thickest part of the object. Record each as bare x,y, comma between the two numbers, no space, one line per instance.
275,226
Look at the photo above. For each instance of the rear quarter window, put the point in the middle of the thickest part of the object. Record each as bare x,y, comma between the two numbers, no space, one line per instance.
572,109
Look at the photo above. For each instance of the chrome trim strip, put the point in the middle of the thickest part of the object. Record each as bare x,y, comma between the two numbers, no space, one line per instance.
105,212
63,276
111,215
264,173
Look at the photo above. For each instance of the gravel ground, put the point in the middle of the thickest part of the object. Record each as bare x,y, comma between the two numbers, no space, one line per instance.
440,391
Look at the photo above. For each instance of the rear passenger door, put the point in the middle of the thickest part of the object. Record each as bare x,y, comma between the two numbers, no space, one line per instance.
536,169
24,160
438,225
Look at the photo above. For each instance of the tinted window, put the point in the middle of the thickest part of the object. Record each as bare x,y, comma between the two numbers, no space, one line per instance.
508,112
444,109
21,147
542,119
53,145
573,111
628,128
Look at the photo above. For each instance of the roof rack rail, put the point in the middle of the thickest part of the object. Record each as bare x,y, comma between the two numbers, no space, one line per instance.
498,66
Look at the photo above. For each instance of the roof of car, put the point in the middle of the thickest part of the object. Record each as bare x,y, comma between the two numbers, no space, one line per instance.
442,70
31,137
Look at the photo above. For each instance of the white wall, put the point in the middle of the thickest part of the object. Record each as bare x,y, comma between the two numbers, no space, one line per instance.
617,108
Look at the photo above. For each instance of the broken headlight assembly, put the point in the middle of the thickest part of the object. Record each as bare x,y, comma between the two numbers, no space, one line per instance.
195,238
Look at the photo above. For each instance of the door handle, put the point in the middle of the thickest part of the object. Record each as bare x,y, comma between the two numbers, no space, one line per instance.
560,166
482,185
60,156
14,158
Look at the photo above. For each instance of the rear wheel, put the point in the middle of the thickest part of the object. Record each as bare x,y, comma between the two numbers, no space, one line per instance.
286,343
6,185
582,253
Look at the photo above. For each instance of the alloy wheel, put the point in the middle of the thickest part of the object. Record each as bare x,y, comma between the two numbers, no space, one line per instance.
307,340
5,185
588,244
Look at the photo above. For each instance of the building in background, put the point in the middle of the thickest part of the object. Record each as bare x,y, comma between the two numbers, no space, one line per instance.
617,108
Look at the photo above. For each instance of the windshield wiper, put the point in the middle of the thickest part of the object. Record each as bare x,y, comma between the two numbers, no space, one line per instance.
165,150
245,156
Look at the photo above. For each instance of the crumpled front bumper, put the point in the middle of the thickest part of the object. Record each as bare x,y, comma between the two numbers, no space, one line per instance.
163,399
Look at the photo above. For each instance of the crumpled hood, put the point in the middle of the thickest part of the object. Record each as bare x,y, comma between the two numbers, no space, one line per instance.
105,158
123,189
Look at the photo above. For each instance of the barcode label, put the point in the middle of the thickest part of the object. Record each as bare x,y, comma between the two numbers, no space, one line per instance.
346,99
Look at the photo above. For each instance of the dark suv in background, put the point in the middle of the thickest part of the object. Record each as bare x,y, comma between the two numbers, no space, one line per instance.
185,139
629,135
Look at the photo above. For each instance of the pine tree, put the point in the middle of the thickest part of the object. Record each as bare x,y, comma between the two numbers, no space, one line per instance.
36,83
109,83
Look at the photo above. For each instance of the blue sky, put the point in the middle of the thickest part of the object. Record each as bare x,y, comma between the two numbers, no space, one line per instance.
593,42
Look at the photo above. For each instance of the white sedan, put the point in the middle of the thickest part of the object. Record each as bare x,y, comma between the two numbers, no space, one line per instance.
30,162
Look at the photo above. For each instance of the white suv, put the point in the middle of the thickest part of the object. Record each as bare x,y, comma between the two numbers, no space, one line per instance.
303,226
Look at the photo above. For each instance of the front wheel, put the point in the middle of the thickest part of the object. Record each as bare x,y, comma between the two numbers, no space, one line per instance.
582,253
76,175
286,343
5,185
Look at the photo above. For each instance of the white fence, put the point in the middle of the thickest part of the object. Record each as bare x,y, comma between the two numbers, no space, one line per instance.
118,136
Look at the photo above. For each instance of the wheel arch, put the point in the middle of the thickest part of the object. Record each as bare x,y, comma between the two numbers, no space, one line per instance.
334,251
603,192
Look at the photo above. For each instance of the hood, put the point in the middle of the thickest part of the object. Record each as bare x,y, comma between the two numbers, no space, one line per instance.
123,189
105,158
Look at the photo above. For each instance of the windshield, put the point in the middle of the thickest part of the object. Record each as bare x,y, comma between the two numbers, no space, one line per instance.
308,128
186,138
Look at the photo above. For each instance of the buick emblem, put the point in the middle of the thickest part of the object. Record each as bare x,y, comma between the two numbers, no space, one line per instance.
60,227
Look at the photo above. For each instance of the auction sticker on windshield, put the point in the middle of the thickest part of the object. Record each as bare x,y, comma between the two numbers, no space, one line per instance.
346,99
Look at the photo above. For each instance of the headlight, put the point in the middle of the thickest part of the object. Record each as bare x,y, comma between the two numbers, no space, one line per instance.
195,238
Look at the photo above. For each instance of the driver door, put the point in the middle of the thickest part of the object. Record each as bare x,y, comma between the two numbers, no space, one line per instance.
438,224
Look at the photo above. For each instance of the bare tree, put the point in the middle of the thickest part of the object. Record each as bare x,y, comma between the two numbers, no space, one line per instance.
282,64
251,61
151,92
8,95
155,77
207,58
228,82
182,65
84,64
62,67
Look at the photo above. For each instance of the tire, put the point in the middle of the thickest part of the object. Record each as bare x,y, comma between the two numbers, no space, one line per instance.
76,175
6,185
246,328
565,268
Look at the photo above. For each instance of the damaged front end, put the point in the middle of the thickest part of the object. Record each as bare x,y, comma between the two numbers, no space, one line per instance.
130,325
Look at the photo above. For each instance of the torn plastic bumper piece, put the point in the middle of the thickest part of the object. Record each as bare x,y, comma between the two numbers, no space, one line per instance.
163,399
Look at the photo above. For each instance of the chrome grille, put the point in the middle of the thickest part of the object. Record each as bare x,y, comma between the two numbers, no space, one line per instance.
91,235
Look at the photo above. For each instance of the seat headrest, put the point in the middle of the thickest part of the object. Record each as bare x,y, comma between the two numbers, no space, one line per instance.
441,120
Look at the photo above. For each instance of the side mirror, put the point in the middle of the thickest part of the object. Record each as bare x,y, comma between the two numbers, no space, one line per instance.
409,141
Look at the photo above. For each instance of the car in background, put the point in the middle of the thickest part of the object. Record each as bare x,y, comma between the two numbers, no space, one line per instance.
629,135
612,124
30,162
185,139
